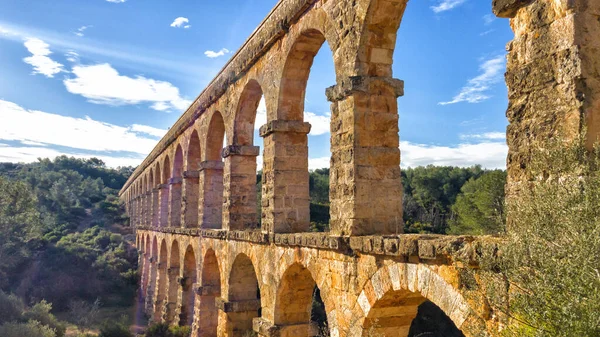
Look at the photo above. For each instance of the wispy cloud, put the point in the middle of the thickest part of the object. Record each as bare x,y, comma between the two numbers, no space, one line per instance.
488,19
213,54
484,136
319,123
180,22
72,56
490,155
102,84
446,5
39,59
117,1
80,31
148,130
32,126
475,90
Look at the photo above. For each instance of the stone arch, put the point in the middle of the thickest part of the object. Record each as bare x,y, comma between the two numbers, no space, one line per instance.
163,209
294,304
208,317
173,285
295,74
175,188
161,282
244,293
191,187
211,175
245,117
156,197
151,276
389,301
189,282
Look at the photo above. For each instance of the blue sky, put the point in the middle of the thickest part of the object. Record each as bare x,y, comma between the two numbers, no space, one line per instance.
107,78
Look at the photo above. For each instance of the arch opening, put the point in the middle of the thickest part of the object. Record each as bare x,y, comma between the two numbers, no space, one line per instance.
161,282
151,277
188,295
310,189
208,319
406,313
173,285
243,288
175,189
191,185
164,193
299,309
211,176
241,177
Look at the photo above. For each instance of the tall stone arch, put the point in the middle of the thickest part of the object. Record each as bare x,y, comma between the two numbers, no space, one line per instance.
211,174
175,183
191,187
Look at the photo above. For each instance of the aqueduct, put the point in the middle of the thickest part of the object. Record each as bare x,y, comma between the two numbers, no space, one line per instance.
210,258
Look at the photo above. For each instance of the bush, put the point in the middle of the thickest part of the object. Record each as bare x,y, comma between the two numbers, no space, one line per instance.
11,308
164,330
115,329
41,313
29,329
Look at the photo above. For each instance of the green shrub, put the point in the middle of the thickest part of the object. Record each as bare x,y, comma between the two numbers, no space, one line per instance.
29,329
115,329
164,330
41,313
11,308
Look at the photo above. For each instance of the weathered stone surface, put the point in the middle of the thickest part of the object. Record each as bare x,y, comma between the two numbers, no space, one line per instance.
207,260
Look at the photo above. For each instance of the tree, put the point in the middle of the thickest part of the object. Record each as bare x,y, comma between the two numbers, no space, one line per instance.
479,208
551,259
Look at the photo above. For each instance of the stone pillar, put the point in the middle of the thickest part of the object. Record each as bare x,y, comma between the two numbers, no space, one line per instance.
163,209
211,194
206,319
148,209
145,266
553,78
155,207
175,202
240,315
150,288
188,301
191,194
285,190
239,194
173,286
365,183
161,291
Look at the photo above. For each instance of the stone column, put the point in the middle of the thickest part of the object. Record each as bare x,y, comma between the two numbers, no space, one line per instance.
150,288
173,286
161,290
175,202
148,209
211,194
163,209
365,183
240,315
145,266
206,319
239,194
155,207
191,194
553,78
285,191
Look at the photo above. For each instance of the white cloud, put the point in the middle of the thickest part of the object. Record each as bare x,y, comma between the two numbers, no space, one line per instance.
213,54
42,64
116,1
316,163
446,5
488,19
72,56
319,124
102,84
148,130
490,155
486,136
180,22
19,124
476,88
80,31
24,154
